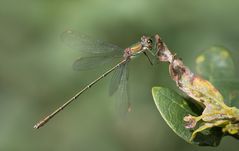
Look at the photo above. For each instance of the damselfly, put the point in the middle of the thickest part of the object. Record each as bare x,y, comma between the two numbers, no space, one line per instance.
99,53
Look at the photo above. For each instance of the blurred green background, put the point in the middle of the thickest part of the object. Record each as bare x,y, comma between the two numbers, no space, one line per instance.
36,70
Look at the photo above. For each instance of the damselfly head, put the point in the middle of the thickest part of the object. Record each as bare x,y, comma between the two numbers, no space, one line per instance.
147,42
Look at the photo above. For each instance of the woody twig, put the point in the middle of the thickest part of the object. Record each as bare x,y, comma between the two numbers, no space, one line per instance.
216,112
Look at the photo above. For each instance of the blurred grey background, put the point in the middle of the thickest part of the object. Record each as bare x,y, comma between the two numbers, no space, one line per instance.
36,72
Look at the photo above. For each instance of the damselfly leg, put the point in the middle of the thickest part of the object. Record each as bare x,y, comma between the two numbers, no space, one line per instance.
99,53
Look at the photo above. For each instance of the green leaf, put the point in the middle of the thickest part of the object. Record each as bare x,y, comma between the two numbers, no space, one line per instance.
216,64
173,108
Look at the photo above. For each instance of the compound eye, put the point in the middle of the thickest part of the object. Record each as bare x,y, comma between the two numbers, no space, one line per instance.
149,41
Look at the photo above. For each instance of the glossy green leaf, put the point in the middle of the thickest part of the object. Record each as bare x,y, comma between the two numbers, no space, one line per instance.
173,108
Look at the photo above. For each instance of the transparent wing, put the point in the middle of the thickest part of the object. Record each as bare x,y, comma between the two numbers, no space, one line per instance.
84,43
120,83
116,79
91,62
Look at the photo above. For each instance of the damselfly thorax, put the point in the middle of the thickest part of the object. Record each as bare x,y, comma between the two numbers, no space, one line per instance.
101,52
